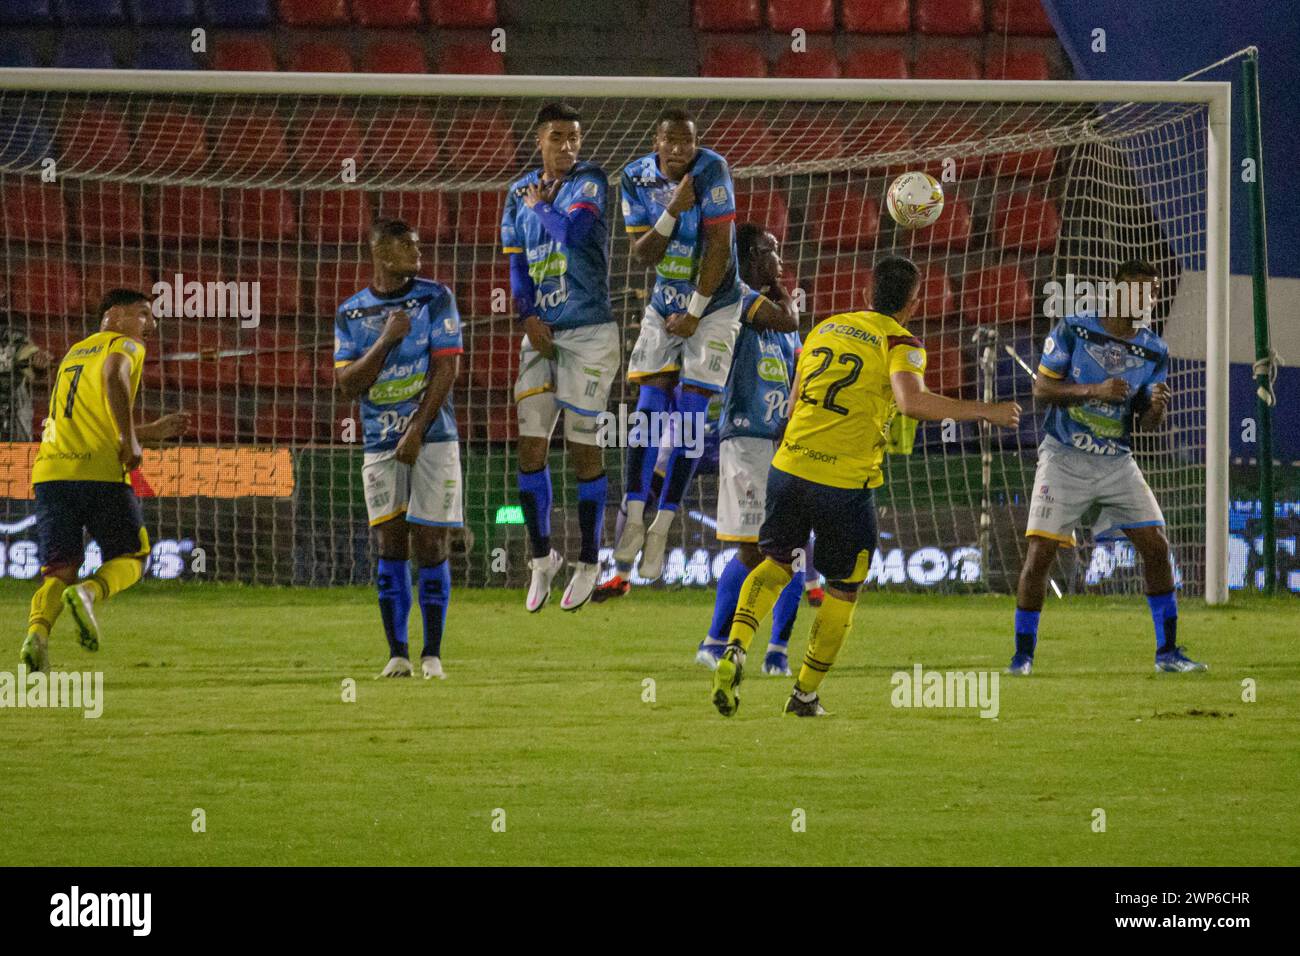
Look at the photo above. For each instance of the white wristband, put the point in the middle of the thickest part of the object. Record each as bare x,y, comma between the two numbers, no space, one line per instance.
664,226
698,304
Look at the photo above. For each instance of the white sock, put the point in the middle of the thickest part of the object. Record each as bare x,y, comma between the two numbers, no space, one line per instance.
805,696
663,520
635,511
714,642
776,648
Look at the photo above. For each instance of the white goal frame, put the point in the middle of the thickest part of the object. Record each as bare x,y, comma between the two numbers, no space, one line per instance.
1215,96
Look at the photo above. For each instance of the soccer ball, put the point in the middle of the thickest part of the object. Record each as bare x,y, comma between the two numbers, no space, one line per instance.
915,200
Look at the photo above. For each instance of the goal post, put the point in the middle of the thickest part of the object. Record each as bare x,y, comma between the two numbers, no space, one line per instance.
240,178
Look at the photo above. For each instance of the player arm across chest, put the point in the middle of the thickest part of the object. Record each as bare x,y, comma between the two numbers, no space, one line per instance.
355,378
1062,391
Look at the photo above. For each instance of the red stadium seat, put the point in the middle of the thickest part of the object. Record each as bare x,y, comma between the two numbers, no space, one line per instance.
279,284
386,13
249,53
207,371
323,139
98,277
462,13
287,422
1033,164
888,63
813,64
743,140
336,216
463,59
733,15
840,286
314,13
93,139
481,144
937,299
493,361
185,212
336,280
503,426
767,207
33,211
799,138
193,264
316,56
844,219
878,137
946,63
945,364
109,212
260,215
404,144
250,139
281,361
428,213
814,16
733,59
478,219
951,233
487,293
1022,18
395,56
876,16
949,134
998,294
1016,65
949,17
210,423
1027,222
171,140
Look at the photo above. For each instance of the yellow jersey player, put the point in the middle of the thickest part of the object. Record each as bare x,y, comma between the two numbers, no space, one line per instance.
81,478
857,371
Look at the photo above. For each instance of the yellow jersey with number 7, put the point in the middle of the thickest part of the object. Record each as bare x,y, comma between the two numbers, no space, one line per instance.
79,437
839,421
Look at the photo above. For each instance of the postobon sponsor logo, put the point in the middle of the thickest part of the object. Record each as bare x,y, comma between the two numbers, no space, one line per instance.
397,389
1085,442
771,370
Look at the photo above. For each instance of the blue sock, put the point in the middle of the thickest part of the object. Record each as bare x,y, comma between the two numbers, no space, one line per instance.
435,595
681,467
640,456
394,584
724,604
591,516
1164,614
787,606
1026,631
535,498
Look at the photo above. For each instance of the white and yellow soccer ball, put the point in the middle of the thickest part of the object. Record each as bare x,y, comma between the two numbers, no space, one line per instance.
915,200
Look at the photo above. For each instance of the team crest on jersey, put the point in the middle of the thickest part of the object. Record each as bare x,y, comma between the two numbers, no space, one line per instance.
449,325
719,194
916,358
1113,357
627,209
1049,346
589,188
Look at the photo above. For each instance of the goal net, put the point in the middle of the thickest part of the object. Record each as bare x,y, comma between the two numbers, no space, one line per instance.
241,204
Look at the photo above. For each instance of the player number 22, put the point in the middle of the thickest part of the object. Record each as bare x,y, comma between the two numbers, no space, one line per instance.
828,402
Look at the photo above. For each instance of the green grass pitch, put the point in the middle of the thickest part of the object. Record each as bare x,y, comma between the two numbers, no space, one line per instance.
230,700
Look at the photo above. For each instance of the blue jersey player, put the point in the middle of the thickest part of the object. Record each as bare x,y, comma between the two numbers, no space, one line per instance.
556,234
396,348
679,206
1097,373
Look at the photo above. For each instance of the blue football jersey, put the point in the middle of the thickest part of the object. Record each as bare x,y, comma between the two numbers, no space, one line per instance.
1080,350
572,284
646,194
762,370
387,407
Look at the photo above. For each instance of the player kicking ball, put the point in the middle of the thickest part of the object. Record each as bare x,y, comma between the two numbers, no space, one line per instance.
1096,375
857,370
81,478
397,346
555,231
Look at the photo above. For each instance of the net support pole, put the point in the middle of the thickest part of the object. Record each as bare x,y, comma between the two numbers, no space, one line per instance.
1263,347
1218,171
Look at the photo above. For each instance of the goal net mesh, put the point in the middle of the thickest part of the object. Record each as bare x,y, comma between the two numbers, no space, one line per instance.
270,197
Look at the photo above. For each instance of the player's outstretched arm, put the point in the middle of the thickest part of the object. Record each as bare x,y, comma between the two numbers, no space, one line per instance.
356,377
442,372
915,401
163,429
1055,391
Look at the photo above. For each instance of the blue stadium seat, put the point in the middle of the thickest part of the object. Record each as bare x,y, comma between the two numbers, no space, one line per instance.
166,52
17,52
37,12
92,12
86,51
164,13
238,13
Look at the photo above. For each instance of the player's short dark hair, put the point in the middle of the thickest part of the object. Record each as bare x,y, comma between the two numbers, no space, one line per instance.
115,297
389,229
674,114
1136,269
562,112
896,279
747,236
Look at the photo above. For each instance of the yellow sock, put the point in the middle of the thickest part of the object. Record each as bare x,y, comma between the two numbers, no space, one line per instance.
114,577
757,598
830,628
45,606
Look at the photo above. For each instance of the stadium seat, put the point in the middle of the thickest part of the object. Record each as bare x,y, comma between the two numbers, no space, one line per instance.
18,52
249,139
313,13
84,53
208,372
428,213
209,422
997,294
395,56
889,63
98,277
285,422
316,56
464,59
1031,164
945,364
461,14
951,233
165,53
322,139
1026,222
767,207
733,59
937,299
876,16
481,144
170,140
843,219
185,212
170,13
478,218
840,286
1021,18
950,131
27,12
193,263
732,15
814,64
946,63
33,211
335,280
813,16
260,215
948,17
876,137
742,139
249,53
279,288
336,216
110,213
238,13
92,13
44,287
280,360
386,13
1016,65
493,360
404,145
800,138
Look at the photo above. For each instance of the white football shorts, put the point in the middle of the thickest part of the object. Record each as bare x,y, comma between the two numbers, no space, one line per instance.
1068,483
428,492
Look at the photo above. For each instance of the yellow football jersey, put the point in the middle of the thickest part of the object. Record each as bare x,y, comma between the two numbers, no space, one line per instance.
79,440
840,420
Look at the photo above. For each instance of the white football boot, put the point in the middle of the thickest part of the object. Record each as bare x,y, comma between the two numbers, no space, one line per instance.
581,585
431,667
396,667
544,572
629,542
656,541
